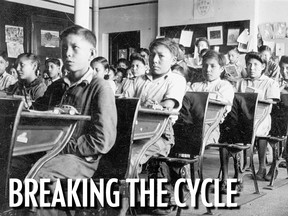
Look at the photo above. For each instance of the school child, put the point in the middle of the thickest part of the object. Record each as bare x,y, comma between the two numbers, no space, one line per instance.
267,89
100,65
13,72
138,68
111,73
212,68
162,89
101,68
90,96
5,79
123,63
53,66
121,74
55,89
201,44
29,85
233,56
145,54
283,82
272,68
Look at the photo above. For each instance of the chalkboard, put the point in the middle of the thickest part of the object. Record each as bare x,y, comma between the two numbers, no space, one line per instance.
200,30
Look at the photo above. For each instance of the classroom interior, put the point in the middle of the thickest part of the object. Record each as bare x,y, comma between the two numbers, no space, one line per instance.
124,26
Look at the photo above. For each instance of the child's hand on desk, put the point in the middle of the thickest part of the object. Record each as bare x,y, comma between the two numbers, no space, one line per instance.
149,103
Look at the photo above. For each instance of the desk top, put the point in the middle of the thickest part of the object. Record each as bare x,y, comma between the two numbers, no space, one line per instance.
220,102
158,112
51,115
267,101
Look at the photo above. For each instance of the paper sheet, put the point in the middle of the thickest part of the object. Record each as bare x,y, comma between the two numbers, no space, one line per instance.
280,49
14,49
186,38
244,37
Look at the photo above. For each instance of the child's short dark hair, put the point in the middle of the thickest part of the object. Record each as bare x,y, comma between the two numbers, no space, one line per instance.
144,50
88,35
264,48
4,55
123,71
216,55
123,60
202,39
234,49
257,56
31,56
284,60
101,60
137,56
168,43
54,61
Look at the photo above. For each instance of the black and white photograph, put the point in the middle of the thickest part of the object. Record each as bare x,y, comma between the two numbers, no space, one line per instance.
143,107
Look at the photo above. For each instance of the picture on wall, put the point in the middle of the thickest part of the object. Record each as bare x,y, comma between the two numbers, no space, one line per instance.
232,36
49,38
215,35
122,53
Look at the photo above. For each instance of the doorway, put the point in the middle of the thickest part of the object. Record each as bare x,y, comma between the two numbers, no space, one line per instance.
122,45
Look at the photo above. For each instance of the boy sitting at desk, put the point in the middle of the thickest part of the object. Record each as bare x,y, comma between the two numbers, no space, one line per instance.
29,85
213,66
267,89
90,96
6,79
284,74
161,89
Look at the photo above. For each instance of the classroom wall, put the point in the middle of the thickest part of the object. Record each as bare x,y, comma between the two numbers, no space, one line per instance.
141,18
171,13
273,11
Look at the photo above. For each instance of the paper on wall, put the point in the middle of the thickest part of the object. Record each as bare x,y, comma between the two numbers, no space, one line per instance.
280,49
244,37
270,44
14,49
186,38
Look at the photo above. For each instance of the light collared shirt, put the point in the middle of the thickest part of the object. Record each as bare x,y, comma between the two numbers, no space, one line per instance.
6,80
266,87
220,89
88,76
169,86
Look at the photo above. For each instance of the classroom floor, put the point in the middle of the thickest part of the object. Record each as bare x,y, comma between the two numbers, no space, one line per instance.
269,202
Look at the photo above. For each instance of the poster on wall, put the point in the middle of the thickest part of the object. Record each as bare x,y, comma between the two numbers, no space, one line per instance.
14,49
232,36
14,34
49,38
215,35
14,38
279,29
203,9
266,31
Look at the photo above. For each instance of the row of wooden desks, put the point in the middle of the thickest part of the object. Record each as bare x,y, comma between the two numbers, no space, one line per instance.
41,131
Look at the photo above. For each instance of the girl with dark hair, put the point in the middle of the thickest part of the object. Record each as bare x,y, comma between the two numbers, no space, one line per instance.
29,85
